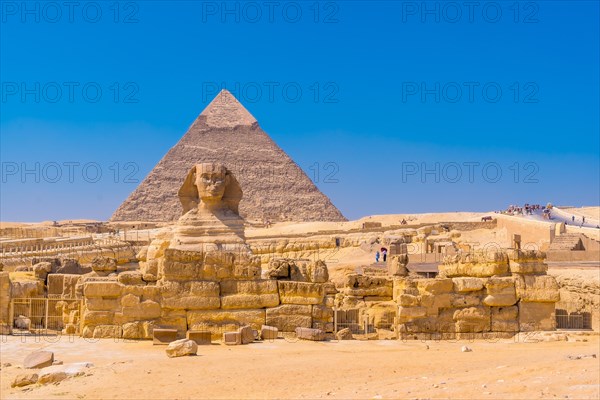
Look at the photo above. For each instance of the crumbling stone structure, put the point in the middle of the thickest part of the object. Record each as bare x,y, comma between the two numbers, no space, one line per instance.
202,276
479,295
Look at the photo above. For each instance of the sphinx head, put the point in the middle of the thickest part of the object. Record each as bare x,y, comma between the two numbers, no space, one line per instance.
211,181
210,184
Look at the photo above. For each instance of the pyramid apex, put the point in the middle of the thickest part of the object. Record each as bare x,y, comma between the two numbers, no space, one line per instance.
225,111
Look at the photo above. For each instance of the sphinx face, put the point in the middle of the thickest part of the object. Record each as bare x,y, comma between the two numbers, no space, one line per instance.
211,184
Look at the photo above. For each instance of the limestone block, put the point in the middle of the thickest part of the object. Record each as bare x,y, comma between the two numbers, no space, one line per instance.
102,289
317,272
104,264
145,310
528,268
173,319
55,284
404,286
433,302
397,265
536,316
376,299
24,380
407,300
130,278
87,332
246,334
219,321
51,377
147,292
204,288
324,326
26,289
191,296
467,284
505,319
181,348
38,359
249,294
107,331
179,271
192,303
132,330
472,319
501,292
142,255
329,301
163,336
344,334
361,285
310,334
382,315
409,313
130,300
200,337
232,338
322,313
41,270
434,286
351,302
429,324
97,317
269,332
465,300
70,284
101,304
474,265
300,292
542,288
528,262
329,288
288,317
279,268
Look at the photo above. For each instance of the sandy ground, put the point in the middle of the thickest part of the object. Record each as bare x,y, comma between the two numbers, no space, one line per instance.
589,212
287,228
506,369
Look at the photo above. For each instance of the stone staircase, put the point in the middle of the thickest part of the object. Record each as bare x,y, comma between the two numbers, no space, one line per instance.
567,241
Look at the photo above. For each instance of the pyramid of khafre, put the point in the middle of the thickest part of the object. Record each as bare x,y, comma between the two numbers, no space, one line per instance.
274,187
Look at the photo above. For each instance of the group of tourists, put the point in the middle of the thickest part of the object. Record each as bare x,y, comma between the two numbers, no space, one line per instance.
526,209
383,253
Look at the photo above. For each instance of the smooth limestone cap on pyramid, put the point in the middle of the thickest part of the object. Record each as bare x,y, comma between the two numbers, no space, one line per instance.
273,185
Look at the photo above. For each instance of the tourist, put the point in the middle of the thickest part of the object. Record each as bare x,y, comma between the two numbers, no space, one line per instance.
377,256
573,218
384,252
582,220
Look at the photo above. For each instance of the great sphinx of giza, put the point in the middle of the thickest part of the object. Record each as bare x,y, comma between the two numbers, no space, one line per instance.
207,242
209,196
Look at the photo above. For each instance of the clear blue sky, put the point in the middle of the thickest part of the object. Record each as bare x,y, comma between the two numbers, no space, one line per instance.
388,89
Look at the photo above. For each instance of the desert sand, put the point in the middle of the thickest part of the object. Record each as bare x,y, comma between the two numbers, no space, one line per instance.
506,369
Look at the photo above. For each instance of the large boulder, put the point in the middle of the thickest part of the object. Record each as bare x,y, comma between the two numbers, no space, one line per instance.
104,265
344,334
317,272
38,359
72,266
24,380
41,270
310,334
182,347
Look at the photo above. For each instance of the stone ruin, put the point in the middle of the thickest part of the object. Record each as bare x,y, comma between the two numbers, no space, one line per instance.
200,275
476,295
